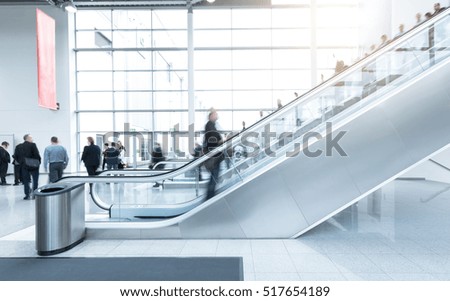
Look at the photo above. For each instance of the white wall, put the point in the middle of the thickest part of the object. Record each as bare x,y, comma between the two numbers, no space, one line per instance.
404,11
19,110
375,21
384,16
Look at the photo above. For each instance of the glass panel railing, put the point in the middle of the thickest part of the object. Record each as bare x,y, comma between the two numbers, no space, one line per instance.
135,194
282,134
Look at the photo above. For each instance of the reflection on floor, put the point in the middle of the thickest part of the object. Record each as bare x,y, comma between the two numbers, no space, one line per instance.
400,232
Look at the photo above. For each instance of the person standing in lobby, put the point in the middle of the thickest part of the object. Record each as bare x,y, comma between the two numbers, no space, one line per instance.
5,159
29,151
56,158
112,157
91,156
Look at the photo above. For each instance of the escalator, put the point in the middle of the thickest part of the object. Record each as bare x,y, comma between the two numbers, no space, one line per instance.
307,161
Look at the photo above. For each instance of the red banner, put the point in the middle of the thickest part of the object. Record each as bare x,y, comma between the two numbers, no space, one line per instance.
45,32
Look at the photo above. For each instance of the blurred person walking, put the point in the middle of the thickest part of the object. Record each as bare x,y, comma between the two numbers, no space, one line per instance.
30,166
212,140
5,159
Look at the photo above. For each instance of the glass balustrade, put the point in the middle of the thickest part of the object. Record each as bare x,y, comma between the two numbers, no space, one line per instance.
180,187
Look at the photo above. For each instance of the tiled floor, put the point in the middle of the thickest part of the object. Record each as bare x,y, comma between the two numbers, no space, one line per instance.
401,232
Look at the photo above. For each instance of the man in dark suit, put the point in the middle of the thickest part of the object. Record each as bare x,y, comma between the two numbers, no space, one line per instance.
212,140
157,156
29,150
5,159
91,156
112,157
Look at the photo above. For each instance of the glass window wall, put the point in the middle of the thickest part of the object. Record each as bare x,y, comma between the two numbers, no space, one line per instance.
132,65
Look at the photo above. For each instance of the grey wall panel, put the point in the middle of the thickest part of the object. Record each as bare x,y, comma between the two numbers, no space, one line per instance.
265,207
421,113
106,233
319,185
216,221
167,232
292,195
18,79
381,143
375,152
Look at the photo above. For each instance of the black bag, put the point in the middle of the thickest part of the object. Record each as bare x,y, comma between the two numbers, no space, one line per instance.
121,165
4,156
31,163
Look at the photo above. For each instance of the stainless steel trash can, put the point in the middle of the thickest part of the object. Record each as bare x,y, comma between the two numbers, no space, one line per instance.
60,223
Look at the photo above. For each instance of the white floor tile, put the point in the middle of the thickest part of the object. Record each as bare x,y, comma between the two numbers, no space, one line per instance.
354,263
403,236
299,246
166,247
200,247
367,276
322,277
269,246
314,263
234,246
395,264
276,263
277,277
413,277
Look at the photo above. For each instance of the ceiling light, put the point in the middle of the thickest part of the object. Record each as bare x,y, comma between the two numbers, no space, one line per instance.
210,1
69,7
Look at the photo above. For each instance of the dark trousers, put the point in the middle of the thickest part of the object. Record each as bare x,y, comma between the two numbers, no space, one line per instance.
55,171
199,170
17,174
26,179
213,181
91,169
113,166
3,171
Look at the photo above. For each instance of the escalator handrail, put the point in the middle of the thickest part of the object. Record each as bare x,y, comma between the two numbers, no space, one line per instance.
266,120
